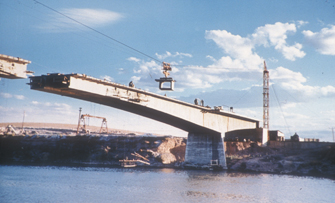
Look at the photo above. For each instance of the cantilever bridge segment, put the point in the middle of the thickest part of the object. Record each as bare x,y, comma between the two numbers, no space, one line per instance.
206,126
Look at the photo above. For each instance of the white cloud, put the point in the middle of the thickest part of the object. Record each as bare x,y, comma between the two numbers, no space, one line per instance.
272,59
135,79
234,45
295,117
289,105
145,72
5,109
211,58
194,77
7,96
323,41
241,57
284,75
51,106
241,62
276,35
121,71
241,50
20,97
147,67
191,77
107,78
36,111
293,82
293,52
301,23
134,59
168,54
89,17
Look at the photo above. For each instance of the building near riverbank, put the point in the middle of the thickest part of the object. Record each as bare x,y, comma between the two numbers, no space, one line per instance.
296,138
276,135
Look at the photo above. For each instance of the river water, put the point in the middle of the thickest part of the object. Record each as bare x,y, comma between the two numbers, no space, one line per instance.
90,184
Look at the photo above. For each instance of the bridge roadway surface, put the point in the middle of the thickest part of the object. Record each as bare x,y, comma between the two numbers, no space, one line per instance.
189,117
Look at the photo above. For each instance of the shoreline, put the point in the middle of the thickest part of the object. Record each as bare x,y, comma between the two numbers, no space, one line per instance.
60,147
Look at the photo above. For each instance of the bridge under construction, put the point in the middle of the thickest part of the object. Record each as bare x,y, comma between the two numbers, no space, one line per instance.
205,126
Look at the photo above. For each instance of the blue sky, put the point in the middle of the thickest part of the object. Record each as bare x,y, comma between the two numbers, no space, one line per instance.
217,49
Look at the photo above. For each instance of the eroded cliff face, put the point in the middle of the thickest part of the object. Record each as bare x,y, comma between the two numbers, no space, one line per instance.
98,150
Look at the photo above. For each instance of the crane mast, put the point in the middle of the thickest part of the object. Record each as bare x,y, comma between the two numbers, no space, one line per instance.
266,98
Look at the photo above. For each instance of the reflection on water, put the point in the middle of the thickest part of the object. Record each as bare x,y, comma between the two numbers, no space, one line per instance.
89,184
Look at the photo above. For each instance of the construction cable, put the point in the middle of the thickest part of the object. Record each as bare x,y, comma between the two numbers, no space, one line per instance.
88,27
288,128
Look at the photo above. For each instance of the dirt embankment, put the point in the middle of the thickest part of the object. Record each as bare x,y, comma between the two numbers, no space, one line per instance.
246,156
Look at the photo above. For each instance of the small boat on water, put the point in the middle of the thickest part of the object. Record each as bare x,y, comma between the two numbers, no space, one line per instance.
126,163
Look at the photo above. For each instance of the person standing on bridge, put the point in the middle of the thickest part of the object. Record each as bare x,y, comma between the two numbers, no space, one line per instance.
196,101
131,84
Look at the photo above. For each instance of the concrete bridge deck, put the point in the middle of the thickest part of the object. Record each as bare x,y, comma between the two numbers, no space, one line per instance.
183,115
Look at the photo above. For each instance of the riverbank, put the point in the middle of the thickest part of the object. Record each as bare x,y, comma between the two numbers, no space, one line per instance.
56,146
249,157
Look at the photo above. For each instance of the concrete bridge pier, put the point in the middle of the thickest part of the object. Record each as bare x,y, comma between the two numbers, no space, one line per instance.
205,150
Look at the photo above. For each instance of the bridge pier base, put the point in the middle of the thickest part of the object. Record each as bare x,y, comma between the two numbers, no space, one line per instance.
205,150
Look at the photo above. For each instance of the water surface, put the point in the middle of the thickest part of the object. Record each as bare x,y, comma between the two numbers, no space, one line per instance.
89,184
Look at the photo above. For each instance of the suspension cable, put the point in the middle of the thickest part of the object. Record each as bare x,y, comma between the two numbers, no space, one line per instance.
109,37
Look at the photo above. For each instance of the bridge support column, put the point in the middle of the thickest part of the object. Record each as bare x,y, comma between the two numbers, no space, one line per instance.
205,150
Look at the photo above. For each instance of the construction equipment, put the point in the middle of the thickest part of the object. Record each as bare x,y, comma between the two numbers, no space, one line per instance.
103,128
10,130
266,99
166,79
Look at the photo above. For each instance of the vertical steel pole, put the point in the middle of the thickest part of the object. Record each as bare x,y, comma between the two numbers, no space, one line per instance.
24,114
79,120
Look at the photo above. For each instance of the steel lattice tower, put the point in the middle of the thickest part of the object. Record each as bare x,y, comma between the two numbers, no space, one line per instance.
266,79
